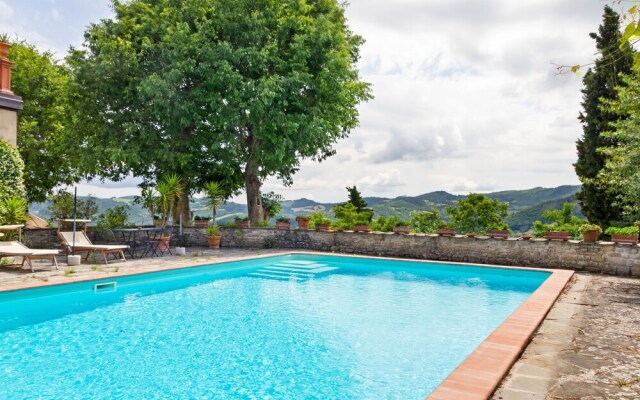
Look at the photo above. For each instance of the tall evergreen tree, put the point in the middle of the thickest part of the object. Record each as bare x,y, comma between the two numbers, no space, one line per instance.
355,198
598,200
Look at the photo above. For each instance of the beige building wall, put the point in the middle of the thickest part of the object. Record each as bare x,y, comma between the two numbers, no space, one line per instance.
8,125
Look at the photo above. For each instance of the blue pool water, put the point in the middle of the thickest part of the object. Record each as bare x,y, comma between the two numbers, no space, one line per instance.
286,327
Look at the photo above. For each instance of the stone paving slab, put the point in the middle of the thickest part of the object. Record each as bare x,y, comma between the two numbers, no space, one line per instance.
587,348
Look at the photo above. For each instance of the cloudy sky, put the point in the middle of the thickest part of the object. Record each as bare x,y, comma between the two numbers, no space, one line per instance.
466,94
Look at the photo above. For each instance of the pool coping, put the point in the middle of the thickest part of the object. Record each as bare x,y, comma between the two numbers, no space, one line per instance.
479,375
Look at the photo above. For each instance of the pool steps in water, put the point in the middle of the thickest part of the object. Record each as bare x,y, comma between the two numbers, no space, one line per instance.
297,270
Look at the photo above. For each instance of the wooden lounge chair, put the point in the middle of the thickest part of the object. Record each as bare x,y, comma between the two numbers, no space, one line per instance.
17,249
82,243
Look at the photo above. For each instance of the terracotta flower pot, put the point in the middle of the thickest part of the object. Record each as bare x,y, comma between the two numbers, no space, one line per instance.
557,235
243,224
303,223
323,227
361,228
625,239
525,237
201,223
590,236
446,231
164,242
214,241
498,233
402,230
4,49
283,225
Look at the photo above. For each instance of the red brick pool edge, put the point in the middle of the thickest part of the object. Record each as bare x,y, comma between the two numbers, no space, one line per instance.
480,374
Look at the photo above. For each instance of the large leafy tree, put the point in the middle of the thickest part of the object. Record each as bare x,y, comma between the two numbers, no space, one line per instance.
232,91
478,213
599,201
621,171
42,141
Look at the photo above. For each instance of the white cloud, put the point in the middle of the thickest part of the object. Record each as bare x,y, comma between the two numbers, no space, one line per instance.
6,12
382,182
466,95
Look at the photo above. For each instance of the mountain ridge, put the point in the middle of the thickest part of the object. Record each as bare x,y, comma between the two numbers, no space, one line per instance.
525,206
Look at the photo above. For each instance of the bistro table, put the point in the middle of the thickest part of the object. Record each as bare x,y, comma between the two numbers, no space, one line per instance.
17,228
130,237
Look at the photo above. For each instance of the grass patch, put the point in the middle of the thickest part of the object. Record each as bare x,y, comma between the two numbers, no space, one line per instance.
69,271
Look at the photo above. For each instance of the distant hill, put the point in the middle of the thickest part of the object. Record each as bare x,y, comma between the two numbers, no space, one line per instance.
525,206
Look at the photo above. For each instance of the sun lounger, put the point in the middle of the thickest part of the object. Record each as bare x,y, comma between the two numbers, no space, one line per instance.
17,249
82,243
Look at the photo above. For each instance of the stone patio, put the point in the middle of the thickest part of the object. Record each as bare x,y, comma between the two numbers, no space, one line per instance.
588,347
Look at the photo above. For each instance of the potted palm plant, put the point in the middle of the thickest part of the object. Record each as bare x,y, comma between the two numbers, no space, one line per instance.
215,197
590,232
169,191
213,236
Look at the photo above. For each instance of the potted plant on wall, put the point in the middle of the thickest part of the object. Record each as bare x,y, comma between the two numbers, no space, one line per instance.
283,223
361,223
243,222
499,231
447,230
303,221
625,235
201,222
213,236
4,45
402,227
590,232
557,235
319,221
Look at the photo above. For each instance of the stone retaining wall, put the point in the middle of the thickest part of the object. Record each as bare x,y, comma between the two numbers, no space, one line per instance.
602,257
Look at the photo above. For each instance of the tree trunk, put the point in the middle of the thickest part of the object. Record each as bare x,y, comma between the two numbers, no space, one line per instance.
252,184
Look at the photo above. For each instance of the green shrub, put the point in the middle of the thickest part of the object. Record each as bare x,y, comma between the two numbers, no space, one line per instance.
263,223
341,225
318,217
11,171
115,217
426,221
402,222
283,219
627,230
586,228
212,230
384,224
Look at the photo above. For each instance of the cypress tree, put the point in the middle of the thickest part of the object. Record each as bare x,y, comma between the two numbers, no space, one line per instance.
599,203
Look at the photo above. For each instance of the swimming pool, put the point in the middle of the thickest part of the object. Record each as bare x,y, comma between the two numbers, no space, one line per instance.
286,327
